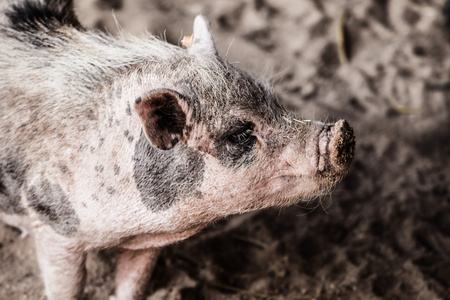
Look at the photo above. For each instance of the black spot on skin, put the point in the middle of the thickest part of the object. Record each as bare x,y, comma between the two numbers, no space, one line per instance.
111,190
235,147
129,137
101,141
11,181
166,176
99,168
53,207
63,167
198,194
128,109
138,100
187,130
91,115
116,170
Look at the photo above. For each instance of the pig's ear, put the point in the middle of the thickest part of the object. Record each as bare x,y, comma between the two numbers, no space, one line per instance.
203,40
163,115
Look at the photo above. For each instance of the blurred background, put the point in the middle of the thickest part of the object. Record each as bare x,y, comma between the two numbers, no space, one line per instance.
384,233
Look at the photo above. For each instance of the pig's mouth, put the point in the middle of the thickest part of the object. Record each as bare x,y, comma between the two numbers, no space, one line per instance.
335,148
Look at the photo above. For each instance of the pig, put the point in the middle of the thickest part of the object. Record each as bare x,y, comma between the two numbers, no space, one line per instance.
135,143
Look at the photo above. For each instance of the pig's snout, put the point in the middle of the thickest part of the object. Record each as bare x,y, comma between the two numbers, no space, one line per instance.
336,145
341,147
313,168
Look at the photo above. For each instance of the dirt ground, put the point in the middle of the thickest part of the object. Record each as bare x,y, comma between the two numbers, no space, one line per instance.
385,231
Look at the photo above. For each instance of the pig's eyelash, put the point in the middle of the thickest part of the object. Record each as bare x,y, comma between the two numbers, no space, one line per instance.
242,133
242,137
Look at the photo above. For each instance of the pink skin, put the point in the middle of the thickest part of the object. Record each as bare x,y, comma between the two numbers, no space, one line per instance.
281,178
289,176
293,162
300,170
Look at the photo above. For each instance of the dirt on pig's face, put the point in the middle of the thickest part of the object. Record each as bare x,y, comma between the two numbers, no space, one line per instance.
239,150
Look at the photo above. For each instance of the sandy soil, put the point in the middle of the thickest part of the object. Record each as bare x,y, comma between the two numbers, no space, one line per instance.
385,231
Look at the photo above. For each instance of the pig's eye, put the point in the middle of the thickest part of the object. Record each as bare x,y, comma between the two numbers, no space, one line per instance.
234,148
242,137
242,134
241,140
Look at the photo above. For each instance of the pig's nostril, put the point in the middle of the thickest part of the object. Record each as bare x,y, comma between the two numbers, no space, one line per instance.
343,126
342,146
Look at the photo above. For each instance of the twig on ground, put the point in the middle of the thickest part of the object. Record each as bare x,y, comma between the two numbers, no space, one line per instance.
250,241
406,109
341,39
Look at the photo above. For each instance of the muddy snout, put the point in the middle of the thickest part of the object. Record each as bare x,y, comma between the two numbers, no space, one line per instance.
336,145
341,146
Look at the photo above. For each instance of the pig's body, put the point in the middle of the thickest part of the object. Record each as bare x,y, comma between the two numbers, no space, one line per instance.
136,143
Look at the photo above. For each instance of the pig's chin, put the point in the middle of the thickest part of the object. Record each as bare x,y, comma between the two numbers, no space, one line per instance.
292,189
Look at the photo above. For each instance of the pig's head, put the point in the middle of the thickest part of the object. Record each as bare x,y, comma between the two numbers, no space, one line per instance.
234,148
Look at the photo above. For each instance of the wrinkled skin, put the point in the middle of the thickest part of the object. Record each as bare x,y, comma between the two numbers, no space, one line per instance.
135,143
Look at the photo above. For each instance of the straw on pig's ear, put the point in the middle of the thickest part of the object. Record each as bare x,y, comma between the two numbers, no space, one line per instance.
203,40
